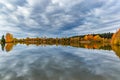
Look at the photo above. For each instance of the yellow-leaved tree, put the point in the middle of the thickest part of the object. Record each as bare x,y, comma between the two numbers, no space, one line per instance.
9,38
116,38
97,38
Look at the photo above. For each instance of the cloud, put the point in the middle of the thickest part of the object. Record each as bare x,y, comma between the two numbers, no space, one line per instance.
58,17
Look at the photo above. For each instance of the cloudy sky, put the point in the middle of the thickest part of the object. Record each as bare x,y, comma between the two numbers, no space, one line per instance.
55,18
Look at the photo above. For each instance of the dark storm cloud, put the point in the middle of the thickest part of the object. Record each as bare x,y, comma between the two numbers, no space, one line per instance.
58,17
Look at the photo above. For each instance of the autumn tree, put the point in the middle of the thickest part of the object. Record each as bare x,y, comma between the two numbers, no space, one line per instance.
85,37
97,38
88,37
116,38
9,37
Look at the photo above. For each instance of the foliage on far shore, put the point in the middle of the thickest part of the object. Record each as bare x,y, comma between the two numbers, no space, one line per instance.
116,38
90,38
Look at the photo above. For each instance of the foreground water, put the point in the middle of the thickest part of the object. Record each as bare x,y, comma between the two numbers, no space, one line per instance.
58,63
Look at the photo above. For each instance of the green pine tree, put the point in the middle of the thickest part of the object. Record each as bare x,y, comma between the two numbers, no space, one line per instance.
3,39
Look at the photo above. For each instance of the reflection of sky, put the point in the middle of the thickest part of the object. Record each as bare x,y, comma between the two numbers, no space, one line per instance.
58,63
54,18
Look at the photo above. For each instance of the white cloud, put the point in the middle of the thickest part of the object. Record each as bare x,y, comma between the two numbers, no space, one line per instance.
54,17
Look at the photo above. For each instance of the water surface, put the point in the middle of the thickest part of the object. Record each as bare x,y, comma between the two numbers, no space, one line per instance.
53,62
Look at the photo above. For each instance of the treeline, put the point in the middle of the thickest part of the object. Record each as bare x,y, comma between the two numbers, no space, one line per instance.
105,37
102,35
90,41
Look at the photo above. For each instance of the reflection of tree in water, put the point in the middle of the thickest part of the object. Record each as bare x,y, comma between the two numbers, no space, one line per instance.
116,49
9,47
2,46
92,46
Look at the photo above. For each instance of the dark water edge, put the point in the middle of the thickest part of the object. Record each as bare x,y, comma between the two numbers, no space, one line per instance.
51,62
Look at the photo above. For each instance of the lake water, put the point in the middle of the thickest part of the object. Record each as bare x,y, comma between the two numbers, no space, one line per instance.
58,63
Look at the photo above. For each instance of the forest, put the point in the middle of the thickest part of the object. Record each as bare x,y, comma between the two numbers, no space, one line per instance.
104,37
110,38
91,41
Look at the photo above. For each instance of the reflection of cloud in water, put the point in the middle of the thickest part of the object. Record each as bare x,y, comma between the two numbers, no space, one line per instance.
59,63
